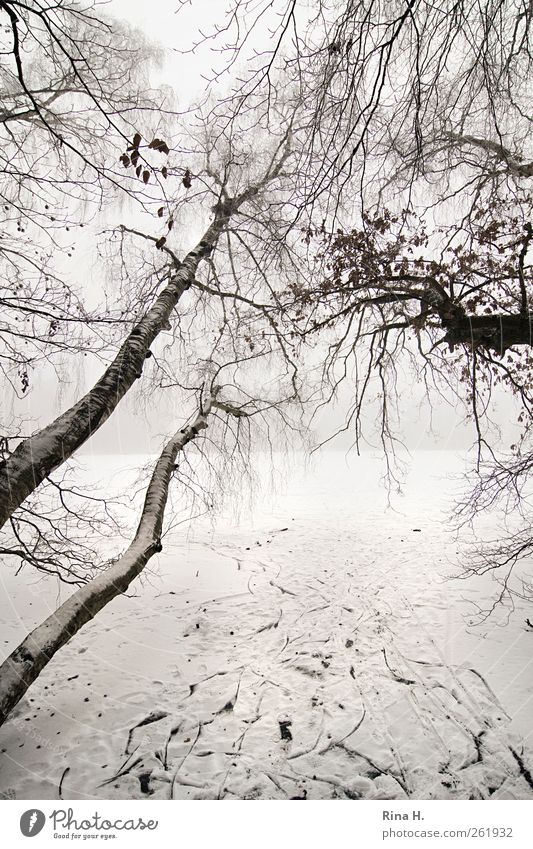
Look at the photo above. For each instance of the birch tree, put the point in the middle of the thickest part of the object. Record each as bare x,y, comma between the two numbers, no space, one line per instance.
81,127
74,88
23,665
36,457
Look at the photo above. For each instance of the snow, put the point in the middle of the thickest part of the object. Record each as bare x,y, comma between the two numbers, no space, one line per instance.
314,648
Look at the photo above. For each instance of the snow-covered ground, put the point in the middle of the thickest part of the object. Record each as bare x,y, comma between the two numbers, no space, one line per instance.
314,649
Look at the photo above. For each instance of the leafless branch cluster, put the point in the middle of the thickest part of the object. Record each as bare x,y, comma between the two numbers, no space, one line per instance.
73,92
389,95
400,108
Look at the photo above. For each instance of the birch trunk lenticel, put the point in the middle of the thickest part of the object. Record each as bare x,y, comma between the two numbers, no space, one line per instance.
25,663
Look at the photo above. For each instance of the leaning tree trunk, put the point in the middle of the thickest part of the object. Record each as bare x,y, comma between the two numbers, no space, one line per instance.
24,664
36,457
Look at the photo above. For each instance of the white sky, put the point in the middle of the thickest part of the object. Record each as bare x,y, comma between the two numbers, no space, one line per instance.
177,32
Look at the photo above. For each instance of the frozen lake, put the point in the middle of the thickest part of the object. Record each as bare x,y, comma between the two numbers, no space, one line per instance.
313,647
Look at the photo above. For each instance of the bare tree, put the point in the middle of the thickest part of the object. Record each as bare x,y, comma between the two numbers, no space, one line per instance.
74,89
25,663
230,317
411,138
59,530
75,100
495,518
454,301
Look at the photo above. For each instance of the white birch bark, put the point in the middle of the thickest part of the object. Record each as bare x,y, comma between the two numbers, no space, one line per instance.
24,664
